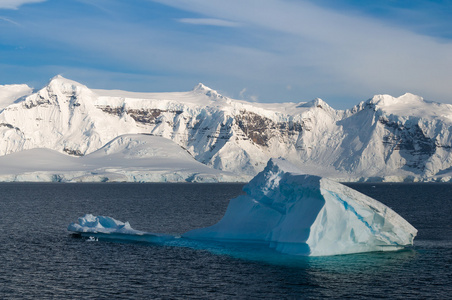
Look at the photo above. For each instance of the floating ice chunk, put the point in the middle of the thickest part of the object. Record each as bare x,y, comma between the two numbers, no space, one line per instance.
96,227
102,224
301,214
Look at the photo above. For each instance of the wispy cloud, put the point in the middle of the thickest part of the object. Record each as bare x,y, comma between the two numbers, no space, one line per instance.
14,4
9,21
242,93
336,52
209,22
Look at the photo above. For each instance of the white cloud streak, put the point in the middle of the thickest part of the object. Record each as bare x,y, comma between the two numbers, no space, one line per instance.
9,21
14,4
208,22
242,93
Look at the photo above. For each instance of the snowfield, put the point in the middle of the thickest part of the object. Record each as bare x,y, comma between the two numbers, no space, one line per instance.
128,158
382,139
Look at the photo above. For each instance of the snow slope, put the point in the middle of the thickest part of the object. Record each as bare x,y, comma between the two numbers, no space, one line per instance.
382,139
131,158
285,210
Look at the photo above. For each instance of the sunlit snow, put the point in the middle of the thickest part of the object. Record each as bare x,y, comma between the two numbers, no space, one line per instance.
131,158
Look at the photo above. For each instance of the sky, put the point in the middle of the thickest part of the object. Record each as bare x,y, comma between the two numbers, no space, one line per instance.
343,51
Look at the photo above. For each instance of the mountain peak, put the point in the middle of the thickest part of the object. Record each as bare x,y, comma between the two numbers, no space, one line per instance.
200,87
387,100
317,102
212,94
60,80
61,85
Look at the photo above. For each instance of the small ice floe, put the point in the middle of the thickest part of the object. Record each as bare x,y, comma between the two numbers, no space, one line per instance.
103,227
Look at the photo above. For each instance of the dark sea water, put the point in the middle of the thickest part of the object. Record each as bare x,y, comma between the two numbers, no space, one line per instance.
39,259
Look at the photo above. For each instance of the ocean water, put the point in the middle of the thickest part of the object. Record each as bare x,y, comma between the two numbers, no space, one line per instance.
41,260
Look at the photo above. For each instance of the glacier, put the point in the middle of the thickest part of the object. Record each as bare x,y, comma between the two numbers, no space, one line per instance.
289,212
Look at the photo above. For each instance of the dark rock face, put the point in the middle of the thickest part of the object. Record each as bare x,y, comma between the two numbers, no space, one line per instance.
7,125
410,141
255,127
117,111
38,102
260,129
145,116
73,152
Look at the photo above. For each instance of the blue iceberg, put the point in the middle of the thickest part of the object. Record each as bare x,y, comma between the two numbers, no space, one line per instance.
290,212
301,214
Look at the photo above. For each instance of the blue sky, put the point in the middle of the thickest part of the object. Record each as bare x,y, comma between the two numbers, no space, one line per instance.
342,51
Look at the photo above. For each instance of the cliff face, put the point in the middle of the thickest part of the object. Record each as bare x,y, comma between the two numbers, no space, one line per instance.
384,137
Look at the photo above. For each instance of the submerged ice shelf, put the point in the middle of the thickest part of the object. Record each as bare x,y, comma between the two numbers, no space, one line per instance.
290,212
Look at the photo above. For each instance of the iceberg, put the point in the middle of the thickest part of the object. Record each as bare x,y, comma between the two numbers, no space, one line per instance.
301,214
288,212
106,227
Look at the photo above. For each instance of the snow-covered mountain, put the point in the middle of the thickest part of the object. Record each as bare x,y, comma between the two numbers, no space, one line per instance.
383,138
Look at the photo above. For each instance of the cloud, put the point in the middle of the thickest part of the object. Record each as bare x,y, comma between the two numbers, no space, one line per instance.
14,4
9,21
209,22
254,98
242,93
281,50
334,52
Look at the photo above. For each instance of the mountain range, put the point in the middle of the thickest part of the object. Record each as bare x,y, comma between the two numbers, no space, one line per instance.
384,138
